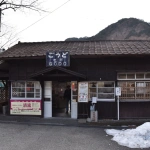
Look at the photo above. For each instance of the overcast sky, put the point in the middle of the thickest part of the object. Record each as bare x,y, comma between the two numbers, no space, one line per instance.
77,18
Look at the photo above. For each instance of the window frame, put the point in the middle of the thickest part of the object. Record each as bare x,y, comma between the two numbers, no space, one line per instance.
136,80
135,73
97,92
25,90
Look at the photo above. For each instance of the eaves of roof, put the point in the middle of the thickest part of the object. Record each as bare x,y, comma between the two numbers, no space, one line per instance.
78,49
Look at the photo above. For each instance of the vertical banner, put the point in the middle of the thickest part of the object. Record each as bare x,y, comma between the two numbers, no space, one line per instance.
83,92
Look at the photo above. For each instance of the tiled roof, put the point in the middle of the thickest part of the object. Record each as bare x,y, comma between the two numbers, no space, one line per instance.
39,49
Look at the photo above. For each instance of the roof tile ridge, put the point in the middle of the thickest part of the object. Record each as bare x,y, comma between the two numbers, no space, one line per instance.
147,50
100,45
108,51
131,46
19,42
95,46
119,48
136,45
125,48
113,47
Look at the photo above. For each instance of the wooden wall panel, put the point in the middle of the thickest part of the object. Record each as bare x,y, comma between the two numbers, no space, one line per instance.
108,110
135,110
93,68
105,68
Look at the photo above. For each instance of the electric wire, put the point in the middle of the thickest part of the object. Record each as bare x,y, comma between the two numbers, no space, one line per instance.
37,21
44,17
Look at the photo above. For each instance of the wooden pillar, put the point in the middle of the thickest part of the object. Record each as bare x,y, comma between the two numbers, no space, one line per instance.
9,97
42,99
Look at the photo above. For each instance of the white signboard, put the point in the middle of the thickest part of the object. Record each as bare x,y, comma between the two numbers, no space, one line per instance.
94,99
83,92
118,91
25,107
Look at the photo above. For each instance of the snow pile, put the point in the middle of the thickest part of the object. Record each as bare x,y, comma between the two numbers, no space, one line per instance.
132,138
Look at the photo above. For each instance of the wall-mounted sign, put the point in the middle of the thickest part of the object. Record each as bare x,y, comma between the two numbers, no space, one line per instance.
25,107
118,91
61,58
83,92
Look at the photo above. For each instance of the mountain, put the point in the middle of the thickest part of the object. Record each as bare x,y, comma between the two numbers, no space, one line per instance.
124,29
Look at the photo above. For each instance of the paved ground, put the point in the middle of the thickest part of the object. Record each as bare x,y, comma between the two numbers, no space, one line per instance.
47,137
55,121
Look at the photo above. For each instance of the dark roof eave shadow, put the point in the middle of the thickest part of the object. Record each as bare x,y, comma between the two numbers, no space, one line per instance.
73,73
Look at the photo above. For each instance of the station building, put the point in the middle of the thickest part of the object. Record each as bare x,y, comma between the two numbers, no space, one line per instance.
36,74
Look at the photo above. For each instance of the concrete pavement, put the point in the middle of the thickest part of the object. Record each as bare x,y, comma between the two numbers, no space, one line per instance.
109,123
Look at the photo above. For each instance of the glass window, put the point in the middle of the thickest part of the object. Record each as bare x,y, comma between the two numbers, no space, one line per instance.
139,75
30,84
127,90
105,96
147,75
18,95
134,90
103,90
130,76
121,76
92,84
137,88
30,95
74,90
100,84
26,89
18,84
134,76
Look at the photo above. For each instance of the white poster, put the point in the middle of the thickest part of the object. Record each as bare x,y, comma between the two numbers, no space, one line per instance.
83,92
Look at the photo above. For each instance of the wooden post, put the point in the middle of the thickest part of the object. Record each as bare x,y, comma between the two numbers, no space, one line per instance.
9,91
42,99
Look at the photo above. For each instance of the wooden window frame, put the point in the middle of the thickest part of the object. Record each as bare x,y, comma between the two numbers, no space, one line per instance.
94,91
139,91
135,73
36,90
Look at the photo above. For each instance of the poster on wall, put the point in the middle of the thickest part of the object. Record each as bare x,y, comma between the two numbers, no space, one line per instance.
25,107
83,92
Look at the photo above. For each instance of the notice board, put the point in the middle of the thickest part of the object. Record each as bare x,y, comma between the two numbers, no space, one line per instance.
83,92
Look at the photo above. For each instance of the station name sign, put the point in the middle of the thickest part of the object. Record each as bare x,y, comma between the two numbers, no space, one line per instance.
60,58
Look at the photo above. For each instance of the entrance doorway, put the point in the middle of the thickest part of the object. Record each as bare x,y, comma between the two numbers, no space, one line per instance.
58,101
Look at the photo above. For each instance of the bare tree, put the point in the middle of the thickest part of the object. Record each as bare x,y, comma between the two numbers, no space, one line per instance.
18,4
15,5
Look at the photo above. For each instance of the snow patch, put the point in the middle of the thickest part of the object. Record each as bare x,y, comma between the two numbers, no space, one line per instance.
132,138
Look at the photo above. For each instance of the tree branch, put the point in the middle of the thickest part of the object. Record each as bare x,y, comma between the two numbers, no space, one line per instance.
14,5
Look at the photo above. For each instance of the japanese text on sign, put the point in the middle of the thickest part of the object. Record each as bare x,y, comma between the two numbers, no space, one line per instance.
25,107
118,91
58,59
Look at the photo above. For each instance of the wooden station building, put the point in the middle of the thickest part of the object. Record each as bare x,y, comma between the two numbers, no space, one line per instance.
36,81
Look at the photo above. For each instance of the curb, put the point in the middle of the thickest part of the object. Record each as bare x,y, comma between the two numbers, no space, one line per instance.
69,125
